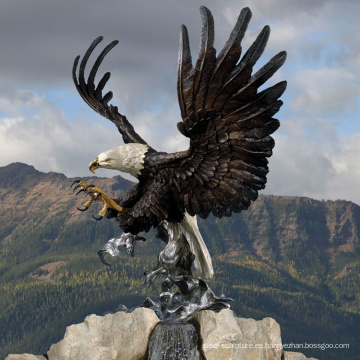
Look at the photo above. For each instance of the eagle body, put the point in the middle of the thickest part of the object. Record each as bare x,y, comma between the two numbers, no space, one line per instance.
151,200
227,120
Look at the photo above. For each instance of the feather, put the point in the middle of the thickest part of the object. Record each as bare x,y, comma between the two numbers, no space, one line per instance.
268,70
222,136
263,99
177,185
98,62
130,221
264,144
210,165
107,97
218,212
206,59
84,62
256,118
241,74
211,197
225,187
184,68
195,204
221,198
205,172
254,52
189,123
213,182
246,200
242,165
228,56
255,151
249,178
264,73
248,157
260,132
181,127
101,85
153,201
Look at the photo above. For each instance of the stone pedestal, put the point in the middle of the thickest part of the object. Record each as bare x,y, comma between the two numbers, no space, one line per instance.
126,336
225,337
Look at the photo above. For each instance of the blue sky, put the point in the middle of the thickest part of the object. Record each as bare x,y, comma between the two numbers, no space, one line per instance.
45,123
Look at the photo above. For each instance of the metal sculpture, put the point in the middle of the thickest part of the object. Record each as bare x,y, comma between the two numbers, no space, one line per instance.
229,124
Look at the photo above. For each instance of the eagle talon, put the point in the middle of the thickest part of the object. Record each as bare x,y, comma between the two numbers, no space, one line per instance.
97,218
76,187
96,194
82,209
75,182
101,254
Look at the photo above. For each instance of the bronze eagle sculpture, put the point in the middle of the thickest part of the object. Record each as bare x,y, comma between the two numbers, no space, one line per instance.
227,121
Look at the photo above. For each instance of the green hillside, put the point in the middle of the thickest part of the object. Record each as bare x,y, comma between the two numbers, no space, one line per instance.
294,259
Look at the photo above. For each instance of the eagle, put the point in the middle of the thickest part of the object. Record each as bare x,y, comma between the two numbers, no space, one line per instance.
228,122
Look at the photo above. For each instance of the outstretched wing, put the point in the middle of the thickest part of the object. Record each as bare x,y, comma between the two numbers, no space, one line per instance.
228,121
93,95
229,124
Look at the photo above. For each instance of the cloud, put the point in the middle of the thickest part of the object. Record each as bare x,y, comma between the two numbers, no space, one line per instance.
40,134
314,154
329,90
300,170
321,166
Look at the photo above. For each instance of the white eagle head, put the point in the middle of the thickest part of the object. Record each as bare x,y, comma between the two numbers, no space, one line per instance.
127,158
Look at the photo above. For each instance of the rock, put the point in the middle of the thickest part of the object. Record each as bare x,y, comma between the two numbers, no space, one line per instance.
225,337
125,336
25,357
289,355
119,336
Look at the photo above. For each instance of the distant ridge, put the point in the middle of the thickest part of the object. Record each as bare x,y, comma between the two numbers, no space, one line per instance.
16,173
275,228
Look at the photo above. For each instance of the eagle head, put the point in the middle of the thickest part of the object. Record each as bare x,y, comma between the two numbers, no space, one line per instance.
127,158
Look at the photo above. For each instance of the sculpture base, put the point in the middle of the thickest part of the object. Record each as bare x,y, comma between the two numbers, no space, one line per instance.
123,336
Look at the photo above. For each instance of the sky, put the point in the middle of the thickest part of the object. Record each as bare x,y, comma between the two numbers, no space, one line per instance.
45,123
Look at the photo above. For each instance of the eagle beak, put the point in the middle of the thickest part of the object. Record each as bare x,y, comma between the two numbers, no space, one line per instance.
94,165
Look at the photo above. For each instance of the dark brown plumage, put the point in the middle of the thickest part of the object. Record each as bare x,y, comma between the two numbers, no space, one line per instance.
228,121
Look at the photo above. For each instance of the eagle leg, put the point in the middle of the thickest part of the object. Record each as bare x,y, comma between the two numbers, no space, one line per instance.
96,194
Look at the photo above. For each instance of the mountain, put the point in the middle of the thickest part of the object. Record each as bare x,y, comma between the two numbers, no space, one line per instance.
39,214
292,258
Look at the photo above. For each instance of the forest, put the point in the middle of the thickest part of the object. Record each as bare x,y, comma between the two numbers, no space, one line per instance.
296,260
